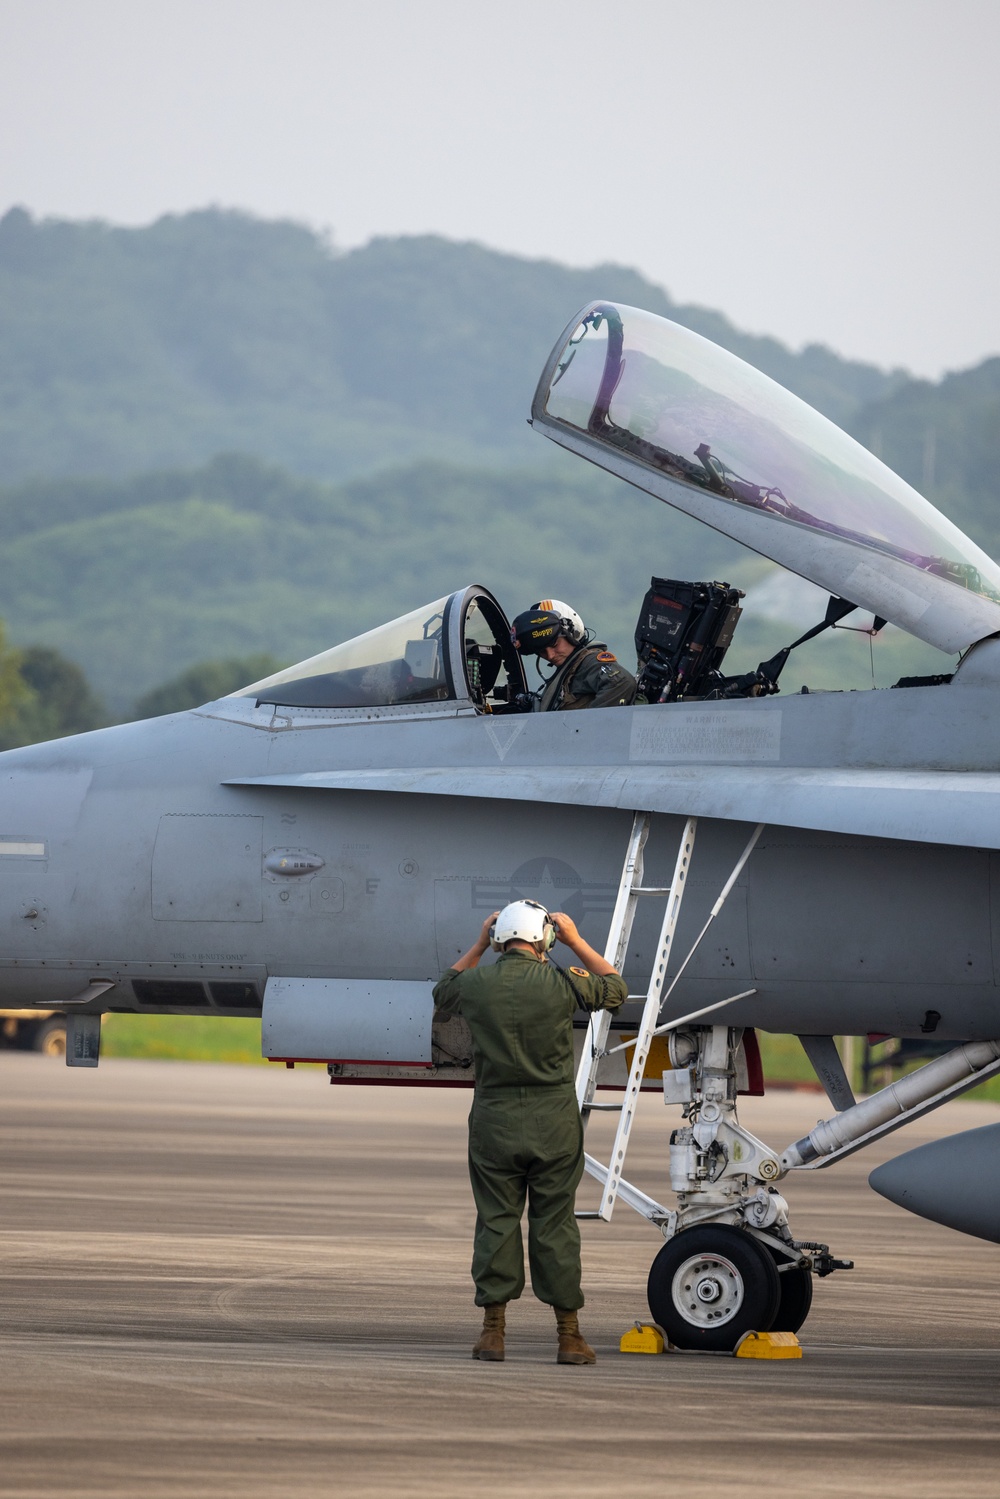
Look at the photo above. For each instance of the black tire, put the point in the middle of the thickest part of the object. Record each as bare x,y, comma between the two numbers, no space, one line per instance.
796,1291
50,1037
708,1286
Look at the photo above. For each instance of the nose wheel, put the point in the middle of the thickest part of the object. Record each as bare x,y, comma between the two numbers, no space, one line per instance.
708,1286
796,1285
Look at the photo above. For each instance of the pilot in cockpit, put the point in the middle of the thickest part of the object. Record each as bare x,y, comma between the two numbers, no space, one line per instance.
587,674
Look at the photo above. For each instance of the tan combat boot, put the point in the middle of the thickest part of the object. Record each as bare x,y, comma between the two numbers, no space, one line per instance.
573,1346
490,1345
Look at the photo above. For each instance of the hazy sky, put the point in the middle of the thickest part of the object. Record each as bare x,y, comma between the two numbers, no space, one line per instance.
820,171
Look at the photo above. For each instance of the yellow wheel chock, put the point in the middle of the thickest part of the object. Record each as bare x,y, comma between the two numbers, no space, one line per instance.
769,1345
642,1337
647,1337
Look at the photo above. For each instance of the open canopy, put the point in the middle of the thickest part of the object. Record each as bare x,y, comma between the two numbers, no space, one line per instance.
692,424
457,649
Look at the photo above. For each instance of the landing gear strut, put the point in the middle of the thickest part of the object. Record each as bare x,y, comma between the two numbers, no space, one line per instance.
730,1264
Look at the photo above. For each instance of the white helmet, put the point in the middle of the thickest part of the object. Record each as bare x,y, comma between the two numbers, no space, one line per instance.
523,921
573,627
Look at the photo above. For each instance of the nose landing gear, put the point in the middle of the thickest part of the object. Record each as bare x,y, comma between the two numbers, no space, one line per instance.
730,1264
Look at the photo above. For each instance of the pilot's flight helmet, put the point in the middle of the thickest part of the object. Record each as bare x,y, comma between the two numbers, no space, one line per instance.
523,921
543,624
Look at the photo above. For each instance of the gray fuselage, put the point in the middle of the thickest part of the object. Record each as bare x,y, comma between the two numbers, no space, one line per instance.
869,901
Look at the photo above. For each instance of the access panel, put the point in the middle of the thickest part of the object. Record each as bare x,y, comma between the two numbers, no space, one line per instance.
386,1021
207,867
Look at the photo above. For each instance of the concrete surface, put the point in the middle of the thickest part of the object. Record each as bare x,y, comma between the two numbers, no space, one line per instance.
243,1282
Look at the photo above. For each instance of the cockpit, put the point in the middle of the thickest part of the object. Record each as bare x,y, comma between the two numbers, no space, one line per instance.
457,649
691,424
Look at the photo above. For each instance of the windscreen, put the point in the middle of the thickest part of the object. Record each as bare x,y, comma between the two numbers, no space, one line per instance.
400,662
676,403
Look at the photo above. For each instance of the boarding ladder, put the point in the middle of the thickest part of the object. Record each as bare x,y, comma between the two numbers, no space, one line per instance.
630,891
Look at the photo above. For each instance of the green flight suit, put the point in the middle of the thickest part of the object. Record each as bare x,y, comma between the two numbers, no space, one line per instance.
591,678
525,1134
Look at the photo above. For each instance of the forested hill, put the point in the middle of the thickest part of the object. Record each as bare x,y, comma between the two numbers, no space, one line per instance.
126,350
137,579
372,406
945,440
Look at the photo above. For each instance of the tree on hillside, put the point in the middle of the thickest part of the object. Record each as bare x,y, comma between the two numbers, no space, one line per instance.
13,689
944,439
53,698
204,683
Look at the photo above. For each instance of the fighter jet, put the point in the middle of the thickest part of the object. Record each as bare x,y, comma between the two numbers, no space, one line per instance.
316,848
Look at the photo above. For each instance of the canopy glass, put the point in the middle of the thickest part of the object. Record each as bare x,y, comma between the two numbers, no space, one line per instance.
667,402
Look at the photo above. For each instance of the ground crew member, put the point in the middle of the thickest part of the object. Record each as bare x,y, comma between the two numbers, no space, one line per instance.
587,675
525,1134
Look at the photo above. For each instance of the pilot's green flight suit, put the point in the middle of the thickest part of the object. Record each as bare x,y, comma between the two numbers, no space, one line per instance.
591,678
525,1135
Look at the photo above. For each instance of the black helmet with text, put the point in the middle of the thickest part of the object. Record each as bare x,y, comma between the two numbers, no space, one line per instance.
543,624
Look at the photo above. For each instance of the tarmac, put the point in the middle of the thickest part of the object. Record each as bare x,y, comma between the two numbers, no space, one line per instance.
237,1281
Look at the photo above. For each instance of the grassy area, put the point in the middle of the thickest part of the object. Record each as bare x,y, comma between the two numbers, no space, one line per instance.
215,1038
987,1093
182,1038
786,1062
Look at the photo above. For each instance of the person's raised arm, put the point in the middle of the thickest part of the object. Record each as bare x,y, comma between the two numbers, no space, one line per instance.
591,959
471,958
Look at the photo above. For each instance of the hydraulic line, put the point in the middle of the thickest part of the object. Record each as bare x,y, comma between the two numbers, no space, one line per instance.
901,1098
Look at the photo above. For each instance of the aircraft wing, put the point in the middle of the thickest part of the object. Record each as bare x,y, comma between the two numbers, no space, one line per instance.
918,806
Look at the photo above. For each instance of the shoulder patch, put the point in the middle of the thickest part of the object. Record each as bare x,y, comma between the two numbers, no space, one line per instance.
606,656
581,973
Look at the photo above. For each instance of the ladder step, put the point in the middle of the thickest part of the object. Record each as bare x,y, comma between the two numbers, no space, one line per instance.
650,890
650,1014
611,1107
586,1215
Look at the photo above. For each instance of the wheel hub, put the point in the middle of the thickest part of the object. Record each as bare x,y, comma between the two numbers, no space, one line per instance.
707,1290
